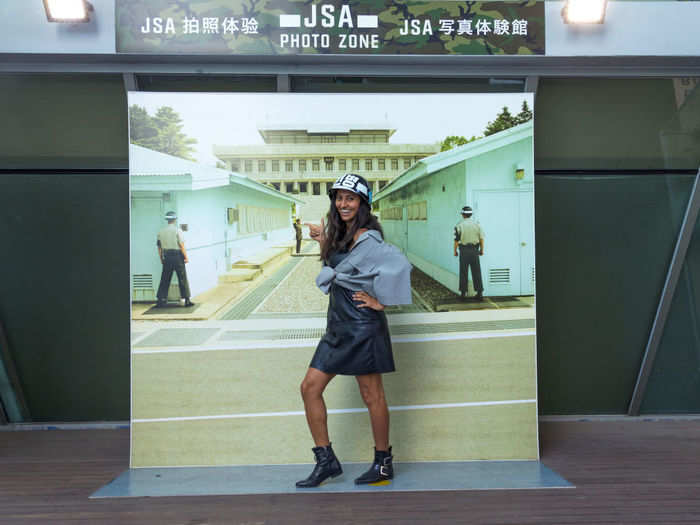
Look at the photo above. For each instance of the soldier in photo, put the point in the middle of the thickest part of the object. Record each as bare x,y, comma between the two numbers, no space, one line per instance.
297,229
469,240
173,257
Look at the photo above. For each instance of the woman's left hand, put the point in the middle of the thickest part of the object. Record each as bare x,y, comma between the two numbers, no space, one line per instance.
367,301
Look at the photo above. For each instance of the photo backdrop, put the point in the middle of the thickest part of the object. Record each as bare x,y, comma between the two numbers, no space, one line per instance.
217,383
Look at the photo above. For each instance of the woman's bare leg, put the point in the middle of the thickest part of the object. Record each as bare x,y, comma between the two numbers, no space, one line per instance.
372,390
312,388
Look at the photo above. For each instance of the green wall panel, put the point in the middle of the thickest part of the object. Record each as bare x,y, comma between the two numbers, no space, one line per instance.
674,384
63,121
603,248
592,123
64,292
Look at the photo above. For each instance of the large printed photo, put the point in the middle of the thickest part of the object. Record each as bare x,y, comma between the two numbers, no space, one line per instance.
226,190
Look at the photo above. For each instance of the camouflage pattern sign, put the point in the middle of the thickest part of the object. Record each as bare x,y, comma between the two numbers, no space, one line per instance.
279,27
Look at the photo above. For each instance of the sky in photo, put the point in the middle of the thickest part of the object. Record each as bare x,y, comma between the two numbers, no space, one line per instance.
234,118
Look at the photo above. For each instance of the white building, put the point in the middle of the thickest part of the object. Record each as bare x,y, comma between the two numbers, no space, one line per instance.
305,161
495,176
225,217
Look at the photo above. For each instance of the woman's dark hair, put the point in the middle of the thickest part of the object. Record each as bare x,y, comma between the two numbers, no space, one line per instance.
338,237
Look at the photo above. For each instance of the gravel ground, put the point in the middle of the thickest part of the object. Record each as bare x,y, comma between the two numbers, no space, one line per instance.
298,293
430,290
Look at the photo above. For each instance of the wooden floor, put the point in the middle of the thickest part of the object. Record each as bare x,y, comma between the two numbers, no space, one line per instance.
625,471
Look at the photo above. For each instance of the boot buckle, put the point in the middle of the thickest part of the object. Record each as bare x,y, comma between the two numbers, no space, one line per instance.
383,470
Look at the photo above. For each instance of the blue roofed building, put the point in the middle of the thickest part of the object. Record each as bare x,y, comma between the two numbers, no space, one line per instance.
495,176
225,217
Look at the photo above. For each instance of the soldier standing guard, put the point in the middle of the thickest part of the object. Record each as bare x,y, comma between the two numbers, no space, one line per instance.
297,229
469,237
171,250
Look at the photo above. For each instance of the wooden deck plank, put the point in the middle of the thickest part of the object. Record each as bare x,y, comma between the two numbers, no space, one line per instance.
628,471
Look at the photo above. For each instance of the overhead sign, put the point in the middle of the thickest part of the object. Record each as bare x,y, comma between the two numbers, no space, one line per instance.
279,27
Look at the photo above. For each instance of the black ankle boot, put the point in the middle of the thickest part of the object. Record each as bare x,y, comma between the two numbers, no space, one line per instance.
327,466
381,470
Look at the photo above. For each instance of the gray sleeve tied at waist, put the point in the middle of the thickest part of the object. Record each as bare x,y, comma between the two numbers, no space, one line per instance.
379,269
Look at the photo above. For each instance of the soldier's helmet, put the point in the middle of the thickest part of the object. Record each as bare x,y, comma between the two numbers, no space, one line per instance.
466,210
354,183
170,216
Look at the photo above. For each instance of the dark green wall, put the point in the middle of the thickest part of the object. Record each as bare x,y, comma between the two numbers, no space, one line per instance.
64,290
603,243
589,123
674,385
603,248
63,121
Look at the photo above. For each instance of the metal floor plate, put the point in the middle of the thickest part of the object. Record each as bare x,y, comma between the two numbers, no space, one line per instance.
279,479
474,326
171,309
293,334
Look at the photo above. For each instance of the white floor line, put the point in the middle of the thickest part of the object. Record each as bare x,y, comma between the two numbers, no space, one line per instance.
394,320
312,342
336,411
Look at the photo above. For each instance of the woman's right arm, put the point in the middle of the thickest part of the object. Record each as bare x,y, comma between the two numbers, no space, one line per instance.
316,232
365,300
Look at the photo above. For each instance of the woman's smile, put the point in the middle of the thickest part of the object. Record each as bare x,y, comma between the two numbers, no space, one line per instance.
347,203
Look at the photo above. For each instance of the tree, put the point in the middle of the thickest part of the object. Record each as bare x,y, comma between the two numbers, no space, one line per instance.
141,126
504,120
525,114
454,140
162,132
171,138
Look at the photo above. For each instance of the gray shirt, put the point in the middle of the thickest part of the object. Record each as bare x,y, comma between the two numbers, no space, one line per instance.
373,266
468,231
170,237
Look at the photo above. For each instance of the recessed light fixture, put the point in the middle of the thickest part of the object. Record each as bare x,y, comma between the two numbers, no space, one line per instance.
68,11
584,11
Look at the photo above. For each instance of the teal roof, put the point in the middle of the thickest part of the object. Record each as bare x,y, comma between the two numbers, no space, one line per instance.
155,171
428,165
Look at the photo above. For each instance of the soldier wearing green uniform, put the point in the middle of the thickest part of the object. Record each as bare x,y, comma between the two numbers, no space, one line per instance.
469,239
297,229
171,250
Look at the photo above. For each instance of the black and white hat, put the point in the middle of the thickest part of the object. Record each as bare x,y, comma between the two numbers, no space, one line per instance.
466,210
170,216
354,183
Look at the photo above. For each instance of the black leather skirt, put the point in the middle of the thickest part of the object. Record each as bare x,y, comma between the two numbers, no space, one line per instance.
356,341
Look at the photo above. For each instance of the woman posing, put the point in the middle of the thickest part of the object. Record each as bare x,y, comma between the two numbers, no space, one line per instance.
361,274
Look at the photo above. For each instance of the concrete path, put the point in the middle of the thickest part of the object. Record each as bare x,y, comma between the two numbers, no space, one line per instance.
298,292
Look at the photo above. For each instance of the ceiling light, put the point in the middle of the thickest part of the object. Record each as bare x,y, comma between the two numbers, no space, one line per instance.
584,11
70,11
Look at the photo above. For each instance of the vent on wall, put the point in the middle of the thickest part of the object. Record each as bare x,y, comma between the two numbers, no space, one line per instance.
143,281
499,276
